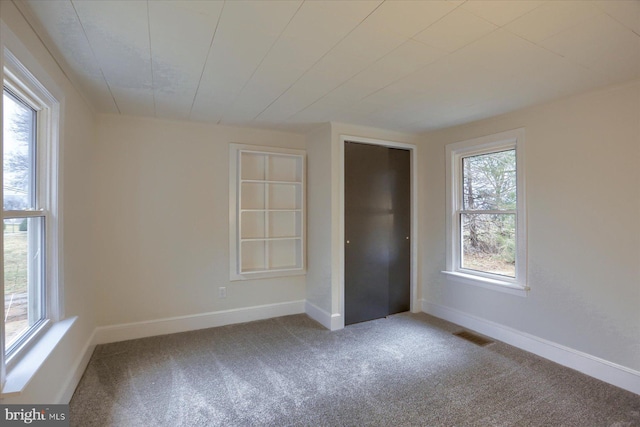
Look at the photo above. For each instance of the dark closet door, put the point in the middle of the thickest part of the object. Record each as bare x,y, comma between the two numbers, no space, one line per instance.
377,224
400,245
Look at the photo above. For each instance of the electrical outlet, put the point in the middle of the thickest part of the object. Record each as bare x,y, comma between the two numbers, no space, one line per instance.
222,292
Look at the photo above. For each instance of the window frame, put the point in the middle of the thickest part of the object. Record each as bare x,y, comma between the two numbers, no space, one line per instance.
455,153
23,84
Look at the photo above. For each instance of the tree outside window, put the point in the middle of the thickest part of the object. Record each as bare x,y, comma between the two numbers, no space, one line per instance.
488,219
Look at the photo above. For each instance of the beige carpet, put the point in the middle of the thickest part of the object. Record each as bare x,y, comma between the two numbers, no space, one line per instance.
406,370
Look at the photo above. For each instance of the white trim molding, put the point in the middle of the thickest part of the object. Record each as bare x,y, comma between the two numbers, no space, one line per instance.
602,369
333,322
25,369
77,371
486,283
127,331
171,325
319,315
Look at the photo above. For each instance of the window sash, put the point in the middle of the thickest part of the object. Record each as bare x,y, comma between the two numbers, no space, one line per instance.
461,245
36,282
460,211
32,184
488,212
31,266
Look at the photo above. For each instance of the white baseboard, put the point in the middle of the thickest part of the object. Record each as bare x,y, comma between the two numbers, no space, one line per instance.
596,367
333,322
319,315
149,328
337,322
79,366
107,334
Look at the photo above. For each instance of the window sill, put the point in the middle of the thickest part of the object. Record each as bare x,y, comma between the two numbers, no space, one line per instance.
31,361
267,274
487,283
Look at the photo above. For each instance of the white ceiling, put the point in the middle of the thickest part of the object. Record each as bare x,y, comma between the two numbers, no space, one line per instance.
402,65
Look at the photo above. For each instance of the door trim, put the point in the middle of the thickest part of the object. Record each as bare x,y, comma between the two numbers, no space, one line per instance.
413,150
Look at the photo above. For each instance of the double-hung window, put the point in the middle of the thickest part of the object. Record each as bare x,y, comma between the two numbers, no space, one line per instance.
30,215
486,240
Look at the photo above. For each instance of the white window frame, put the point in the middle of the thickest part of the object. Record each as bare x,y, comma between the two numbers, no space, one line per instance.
455,152
48,176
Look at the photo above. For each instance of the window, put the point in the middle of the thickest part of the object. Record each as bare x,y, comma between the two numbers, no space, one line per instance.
29,209
267,212
485,211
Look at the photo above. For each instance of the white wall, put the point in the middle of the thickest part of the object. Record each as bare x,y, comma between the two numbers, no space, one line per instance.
77,159
318,286
162,220
583,201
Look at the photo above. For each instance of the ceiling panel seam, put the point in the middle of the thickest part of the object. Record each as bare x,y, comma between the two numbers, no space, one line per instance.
37,30
444,16
508,22
319,59
603,10
84,32
153,84
376,61
204,65
565,30
261,61
300,64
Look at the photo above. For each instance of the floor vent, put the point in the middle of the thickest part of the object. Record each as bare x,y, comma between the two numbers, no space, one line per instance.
476,339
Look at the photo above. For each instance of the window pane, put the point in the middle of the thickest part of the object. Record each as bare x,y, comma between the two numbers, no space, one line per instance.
23,276
18,155
489,243
489,181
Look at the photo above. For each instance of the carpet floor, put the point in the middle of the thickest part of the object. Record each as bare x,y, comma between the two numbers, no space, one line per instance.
405,370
